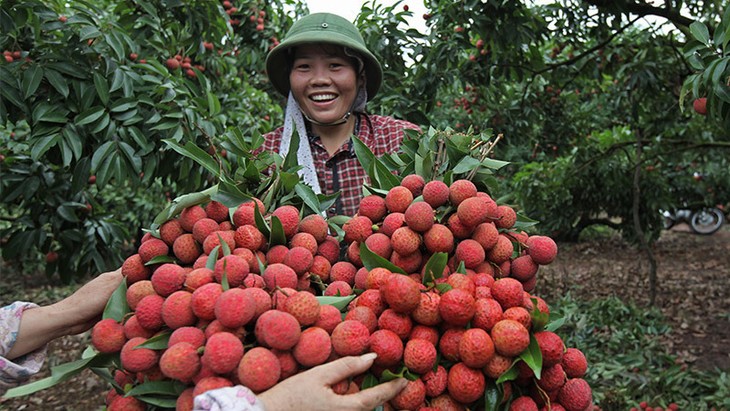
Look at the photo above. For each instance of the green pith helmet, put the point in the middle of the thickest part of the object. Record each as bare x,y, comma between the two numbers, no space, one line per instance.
322,28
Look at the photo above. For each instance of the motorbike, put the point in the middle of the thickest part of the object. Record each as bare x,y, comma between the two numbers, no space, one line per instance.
702,220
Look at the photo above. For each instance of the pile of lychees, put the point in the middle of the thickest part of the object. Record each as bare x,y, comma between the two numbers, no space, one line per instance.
239,310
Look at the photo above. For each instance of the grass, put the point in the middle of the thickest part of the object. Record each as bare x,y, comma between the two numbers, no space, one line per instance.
628,364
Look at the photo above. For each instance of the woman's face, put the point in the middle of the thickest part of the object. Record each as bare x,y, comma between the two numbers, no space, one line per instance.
324,82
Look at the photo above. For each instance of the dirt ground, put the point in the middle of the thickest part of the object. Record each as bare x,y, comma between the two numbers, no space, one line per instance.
694,295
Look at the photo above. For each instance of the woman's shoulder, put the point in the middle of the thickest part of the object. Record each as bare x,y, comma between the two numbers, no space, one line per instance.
379,121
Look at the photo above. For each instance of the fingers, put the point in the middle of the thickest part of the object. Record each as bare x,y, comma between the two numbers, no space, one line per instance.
338,370
377,395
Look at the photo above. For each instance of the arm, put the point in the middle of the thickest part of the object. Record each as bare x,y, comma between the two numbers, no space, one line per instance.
72,315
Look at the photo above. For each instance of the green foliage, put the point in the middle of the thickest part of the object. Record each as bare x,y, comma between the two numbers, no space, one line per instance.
627,361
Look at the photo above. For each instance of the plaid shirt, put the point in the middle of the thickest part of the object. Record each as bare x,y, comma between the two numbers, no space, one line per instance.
342,171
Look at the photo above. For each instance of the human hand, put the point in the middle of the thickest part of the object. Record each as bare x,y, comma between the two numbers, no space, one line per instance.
72,315
82,309
312,389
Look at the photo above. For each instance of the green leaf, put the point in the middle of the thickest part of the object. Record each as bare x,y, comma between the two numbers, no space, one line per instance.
277,236
533,357
56,80
117,307
160,259
31,80
443,287
434,268
369,381
212,258
89,32
492,395
366,158
42,145
371,260
224,246
172,388
539,318
161,402
339,302
102,87
466,164
197,154
89,116
700,32
307,195
510,374
261,222
158,342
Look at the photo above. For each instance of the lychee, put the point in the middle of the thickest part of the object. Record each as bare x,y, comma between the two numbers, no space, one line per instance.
398,199
574,363
277,329
542,249
289,217
363,314
329,317
279,275
457,307
248,236
575,395
190,215
419,216
350,338
410,397
405,241
373,207
137,291
507,292
134,270
304,240
315,225
186,249
388,346
486,234
502,250
313,348
299,259
427,311
510,338
234,267
506,217
304,307
135,359
154,247
465,384
177,310
435,381
476,348
210,383
470,252
473,211
438,239
203,228
213,240
399,323
180,362
170,230
551,347
235,307
392,222
223,351
379,244
107,336
190,335
204,300
149,312
259,369
435,193
338,288
217,211
419,356
460,190
358,228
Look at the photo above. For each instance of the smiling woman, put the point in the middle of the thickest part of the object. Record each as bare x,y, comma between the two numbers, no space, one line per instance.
328,75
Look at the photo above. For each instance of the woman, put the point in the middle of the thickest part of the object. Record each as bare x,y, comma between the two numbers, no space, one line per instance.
328,75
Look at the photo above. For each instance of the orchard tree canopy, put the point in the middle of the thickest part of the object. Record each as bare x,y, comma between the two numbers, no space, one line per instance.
598,102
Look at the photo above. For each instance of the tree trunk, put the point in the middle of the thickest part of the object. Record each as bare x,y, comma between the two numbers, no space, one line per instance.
636,209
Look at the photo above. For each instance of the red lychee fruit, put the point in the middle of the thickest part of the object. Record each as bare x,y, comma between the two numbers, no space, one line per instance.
185,402
574,363
448,345
289,217
488,312
415,183
445,402
315,225
435,381
700,105
498,365
373,207
365,315
277,329
223,351
410,397
189,216
435,193
460,230
523,403
204,300
133,329
137,359
357,228
473,211
170,230
235,308
542,249
217,211
405,241
476,348
203,228
248,236
234,267
289,365
137,291
298,259
424,332
213,240
427,311
313,348
457,307
392,222
401,293
304,307
460,190
168,278
388,346
486,234
508,292
510,338
107,336
398,199
551,347
276,254
379,244
519,314
438,239
152,248
279,275
470,252
329,317
338,288
465,384
372,299
575,395
502,250
419,216
259,369
198,277
149,312
551,378
190,335
419,356
523,268
350,338
177,310
399,323
134,269
126,404
186,249
329,249
506,217
180,362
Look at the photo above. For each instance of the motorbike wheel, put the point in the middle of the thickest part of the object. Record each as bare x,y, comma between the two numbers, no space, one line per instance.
707,220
